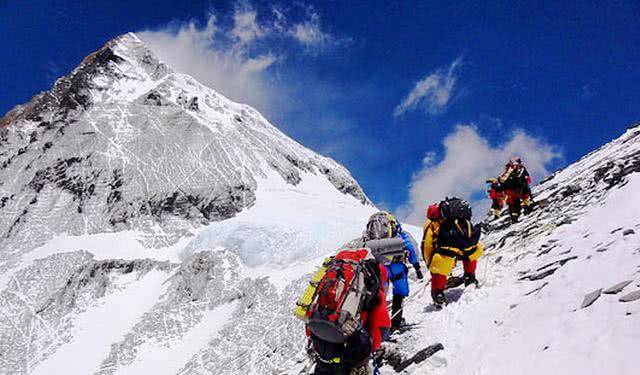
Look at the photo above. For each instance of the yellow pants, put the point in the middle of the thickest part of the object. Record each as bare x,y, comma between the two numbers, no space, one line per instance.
443,264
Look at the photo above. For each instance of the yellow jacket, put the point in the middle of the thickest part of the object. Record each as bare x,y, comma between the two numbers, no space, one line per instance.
443,262
430,232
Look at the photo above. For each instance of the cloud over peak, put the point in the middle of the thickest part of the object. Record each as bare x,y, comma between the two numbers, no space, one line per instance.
433,92
234,53
468,160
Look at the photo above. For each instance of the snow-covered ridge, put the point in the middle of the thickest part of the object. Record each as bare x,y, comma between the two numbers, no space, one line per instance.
550,299
125,143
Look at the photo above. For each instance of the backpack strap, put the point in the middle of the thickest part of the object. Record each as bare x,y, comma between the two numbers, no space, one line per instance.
461,230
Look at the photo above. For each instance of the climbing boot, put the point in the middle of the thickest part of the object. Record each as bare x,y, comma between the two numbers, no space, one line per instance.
470,278
439,298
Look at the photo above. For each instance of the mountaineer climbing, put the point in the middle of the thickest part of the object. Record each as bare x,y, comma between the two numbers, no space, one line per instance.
449,236
515,181
345,312
497,195
382,232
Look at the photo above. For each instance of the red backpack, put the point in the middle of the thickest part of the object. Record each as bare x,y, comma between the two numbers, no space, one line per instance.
349,286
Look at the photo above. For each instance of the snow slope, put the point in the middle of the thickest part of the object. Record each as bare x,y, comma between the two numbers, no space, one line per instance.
527,317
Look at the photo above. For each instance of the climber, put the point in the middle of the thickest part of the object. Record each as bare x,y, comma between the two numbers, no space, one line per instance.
497,195
449,236
348,319
515,181
383,225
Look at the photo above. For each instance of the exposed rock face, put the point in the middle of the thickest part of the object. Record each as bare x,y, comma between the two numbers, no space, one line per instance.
123,142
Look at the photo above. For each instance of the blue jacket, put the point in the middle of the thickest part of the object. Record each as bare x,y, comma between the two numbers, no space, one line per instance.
398,272
409,244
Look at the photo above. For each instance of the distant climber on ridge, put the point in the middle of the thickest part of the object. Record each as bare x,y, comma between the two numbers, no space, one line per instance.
448,235
345,312
497,195
394,248
515,181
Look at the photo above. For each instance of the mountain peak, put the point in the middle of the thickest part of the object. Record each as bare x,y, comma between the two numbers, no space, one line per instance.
99,77
124,142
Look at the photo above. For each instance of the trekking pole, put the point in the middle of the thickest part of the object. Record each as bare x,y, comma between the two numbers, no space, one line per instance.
411,297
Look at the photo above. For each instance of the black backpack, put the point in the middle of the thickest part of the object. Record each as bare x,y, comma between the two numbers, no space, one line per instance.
455,208
459,234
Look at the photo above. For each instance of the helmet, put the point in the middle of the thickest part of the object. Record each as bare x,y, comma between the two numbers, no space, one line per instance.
514,162
433,212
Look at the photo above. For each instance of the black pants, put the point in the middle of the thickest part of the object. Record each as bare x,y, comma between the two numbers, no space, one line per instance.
355,353
396,311
331,369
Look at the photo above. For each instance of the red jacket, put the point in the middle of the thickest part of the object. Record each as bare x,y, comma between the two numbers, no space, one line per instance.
378,318
493,194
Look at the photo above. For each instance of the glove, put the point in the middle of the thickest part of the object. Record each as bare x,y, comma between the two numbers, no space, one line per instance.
350,327
419,274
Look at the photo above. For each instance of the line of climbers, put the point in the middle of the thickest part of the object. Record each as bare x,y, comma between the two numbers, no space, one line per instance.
345,308
513,185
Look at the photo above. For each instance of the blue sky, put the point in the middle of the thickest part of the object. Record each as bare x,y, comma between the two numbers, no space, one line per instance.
417,100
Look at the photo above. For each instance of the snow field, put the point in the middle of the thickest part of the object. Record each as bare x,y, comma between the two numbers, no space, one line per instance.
508,327
108,322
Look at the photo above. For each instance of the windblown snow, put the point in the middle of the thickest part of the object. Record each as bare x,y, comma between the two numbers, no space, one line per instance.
150,225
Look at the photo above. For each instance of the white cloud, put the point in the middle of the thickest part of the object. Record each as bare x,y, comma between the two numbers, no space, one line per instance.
245,26
468,160
432,93
309,32
236,58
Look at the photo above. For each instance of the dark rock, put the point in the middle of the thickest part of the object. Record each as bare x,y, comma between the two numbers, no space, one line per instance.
193,104
629,297
617,288
560,262
539,276
154,98
616,230
628,232
570,190
543,203
545,249
590,298
537,289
